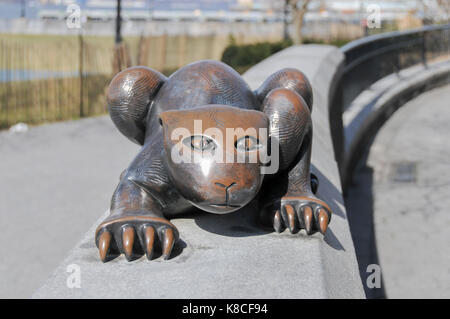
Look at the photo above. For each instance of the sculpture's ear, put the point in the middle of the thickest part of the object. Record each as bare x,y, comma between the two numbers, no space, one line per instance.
129,97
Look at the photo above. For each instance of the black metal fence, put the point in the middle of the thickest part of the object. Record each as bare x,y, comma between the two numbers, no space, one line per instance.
369,59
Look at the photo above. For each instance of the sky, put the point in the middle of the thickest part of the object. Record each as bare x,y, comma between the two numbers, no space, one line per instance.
12,8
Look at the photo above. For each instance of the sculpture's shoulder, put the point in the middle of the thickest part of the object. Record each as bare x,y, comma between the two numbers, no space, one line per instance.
208,74
207,69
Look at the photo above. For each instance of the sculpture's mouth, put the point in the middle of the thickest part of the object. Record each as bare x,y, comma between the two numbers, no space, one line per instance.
222,208
225,205
217,208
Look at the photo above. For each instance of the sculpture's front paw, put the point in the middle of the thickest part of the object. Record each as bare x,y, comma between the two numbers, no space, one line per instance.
135,235
299,212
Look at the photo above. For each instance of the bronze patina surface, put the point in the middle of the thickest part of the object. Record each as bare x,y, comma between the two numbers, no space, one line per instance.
150,109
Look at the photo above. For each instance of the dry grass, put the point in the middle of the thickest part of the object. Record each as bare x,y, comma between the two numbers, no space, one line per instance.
78,70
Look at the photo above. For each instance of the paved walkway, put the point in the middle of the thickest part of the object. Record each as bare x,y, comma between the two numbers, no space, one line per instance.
56,181
409,167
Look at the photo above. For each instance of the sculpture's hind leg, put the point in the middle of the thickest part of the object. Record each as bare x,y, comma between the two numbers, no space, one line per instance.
289,199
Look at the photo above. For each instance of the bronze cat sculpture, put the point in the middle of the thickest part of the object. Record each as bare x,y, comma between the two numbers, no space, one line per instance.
149,108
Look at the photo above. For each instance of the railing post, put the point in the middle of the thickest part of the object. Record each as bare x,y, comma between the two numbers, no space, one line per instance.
424,49
80,73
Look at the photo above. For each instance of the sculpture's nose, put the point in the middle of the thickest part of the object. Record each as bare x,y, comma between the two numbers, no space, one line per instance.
225,186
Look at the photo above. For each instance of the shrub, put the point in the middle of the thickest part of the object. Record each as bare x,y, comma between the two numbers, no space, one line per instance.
242,57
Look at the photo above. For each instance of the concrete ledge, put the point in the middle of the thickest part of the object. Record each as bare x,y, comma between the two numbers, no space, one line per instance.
228,256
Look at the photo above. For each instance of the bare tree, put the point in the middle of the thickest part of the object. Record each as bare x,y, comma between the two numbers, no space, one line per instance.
444,5
298,9
430,8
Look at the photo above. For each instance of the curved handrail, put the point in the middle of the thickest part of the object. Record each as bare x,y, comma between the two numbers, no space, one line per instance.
369,59
388,35
435,76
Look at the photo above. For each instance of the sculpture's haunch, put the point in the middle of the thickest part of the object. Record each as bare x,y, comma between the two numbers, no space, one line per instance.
204,146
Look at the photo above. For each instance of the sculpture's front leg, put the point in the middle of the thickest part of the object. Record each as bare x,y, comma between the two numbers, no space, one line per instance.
135,225
295,206
297,211
289,199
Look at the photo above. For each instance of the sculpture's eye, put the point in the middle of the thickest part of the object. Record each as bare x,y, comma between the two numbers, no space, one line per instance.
247,143
200,143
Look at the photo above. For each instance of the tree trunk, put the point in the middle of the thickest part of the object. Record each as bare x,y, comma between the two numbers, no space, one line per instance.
299,15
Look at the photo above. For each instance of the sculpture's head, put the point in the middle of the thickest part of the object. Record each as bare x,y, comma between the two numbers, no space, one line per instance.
214,155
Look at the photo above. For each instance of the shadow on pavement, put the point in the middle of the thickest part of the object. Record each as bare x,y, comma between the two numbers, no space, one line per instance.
359,204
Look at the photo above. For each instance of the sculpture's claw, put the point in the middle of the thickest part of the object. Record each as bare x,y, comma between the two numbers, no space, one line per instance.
118,235
290,219
104,244
297,212
278,222
168,242
149,240
322,220
307,218
128,242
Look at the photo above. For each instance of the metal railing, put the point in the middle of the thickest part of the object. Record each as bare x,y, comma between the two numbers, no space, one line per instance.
369,59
